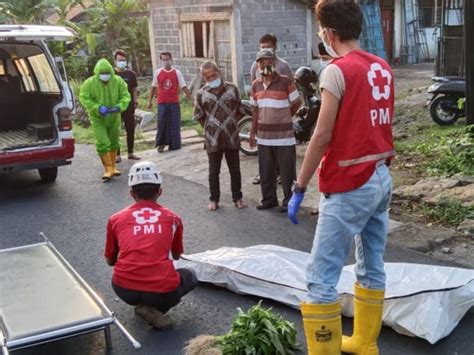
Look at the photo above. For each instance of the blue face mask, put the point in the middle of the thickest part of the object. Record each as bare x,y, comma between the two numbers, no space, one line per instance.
105,77
215,83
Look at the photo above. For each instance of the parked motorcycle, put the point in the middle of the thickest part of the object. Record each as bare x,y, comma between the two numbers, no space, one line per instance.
447,94
304,120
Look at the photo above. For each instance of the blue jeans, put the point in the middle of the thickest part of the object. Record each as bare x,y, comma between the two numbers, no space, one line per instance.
360,214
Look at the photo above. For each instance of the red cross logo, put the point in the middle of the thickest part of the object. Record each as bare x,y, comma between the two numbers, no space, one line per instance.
380,80
146,215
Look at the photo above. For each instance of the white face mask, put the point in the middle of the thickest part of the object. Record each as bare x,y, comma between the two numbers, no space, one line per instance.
329,49
105,77
121,64
215,83
268,49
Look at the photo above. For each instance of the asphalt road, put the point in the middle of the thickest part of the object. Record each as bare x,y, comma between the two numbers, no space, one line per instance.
73,211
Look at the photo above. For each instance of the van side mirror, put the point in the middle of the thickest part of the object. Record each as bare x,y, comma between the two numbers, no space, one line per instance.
70,46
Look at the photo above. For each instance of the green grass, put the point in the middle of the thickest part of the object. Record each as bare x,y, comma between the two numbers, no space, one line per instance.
441,150
83,135
187,109
86,135
447,212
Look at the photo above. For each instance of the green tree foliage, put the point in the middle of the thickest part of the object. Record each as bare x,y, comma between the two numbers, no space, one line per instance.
108,25
116,24
25,11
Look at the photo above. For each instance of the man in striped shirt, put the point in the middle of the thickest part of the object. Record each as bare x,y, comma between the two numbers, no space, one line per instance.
274,100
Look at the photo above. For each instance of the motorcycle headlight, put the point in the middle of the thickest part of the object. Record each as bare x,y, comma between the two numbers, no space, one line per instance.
433,87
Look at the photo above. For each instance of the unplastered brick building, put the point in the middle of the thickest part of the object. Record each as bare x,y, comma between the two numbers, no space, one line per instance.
228,32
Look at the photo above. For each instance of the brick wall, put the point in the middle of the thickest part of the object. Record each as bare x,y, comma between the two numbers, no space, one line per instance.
285,18
166,29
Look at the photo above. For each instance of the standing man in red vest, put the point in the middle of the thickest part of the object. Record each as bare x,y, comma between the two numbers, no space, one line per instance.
167,84
352,147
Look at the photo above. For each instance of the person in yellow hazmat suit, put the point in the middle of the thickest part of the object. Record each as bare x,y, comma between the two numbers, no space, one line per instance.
105,95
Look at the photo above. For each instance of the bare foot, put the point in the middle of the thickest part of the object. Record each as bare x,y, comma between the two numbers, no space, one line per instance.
240,204
213,206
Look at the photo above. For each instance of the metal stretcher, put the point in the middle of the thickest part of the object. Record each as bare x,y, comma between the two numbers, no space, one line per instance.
43,299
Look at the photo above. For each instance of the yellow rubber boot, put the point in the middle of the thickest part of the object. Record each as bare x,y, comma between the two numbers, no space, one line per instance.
113,157
322,327
107,163
368,310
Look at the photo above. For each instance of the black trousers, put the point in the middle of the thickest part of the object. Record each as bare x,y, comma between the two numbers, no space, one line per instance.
128,119
233,163
161,301
270,159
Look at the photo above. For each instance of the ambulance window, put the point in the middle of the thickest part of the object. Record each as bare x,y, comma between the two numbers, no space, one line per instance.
25,75
44,74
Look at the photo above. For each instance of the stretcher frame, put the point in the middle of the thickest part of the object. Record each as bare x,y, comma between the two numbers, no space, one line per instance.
67,331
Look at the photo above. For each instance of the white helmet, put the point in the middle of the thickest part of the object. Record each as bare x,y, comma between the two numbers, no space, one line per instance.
144,172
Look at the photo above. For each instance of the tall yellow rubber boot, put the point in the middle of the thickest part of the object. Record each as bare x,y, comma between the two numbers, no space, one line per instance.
322,327
113,157
368,311
107,163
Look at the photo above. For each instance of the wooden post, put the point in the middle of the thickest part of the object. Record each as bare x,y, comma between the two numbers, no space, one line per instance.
204,38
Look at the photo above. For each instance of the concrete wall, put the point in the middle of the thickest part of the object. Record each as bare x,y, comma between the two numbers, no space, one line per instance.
287,19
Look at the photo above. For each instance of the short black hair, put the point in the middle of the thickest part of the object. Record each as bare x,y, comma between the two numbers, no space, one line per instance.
146,191
269,37
166,53
120,52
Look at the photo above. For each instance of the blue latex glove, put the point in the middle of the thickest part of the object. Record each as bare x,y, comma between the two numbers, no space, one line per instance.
103,110
115,109
294,206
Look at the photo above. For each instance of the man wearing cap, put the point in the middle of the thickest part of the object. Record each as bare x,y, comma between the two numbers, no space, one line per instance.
269,41
138,244
274,100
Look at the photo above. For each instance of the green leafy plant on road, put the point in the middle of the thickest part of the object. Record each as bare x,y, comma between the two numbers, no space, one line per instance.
259,331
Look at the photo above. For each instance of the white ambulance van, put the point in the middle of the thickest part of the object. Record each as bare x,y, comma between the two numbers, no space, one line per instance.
36,102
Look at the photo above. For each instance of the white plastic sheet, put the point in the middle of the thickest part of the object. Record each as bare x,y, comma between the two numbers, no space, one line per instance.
425,301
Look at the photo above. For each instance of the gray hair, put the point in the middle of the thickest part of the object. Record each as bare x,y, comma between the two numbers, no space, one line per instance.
208,65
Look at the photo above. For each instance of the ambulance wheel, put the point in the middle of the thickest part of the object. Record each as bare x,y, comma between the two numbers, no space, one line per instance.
48,174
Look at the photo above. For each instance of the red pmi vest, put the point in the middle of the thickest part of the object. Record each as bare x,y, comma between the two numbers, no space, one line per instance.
168,87
362,136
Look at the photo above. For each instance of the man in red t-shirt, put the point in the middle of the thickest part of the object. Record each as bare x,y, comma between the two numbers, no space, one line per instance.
139,241
167,84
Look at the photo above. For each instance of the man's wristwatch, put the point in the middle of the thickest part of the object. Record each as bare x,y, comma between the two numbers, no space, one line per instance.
298,189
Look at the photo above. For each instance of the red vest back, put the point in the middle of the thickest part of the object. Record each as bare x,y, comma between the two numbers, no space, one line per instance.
168,87
362,136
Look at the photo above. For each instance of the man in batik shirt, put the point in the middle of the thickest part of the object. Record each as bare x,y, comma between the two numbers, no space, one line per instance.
218,108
